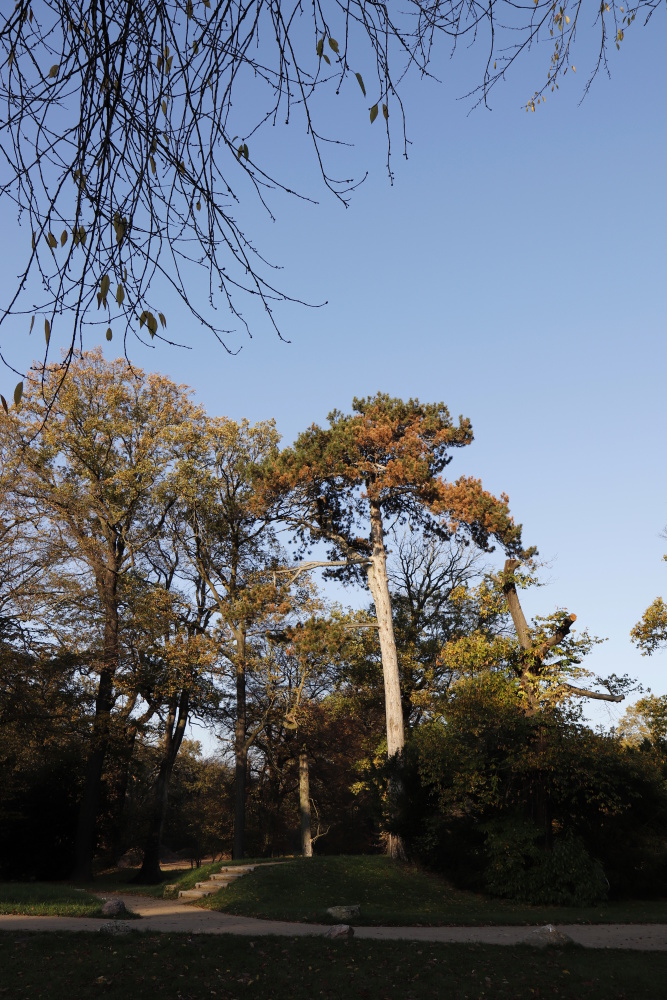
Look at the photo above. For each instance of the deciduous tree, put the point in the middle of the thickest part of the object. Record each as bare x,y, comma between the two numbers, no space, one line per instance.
229,538
93,480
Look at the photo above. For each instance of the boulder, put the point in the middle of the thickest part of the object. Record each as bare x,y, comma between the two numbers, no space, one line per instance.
543,937
131,859
344,912
340,931
114,908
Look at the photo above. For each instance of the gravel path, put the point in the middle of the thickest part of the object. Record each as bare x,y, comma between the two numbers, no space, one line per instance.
174,916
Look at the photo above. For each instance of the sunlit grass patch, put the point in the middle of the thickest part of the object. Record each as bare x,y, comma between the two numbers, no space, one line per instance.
41,899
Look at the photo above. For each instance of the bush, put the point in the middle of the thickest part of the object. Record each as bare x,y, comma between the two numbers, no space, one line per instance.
519,866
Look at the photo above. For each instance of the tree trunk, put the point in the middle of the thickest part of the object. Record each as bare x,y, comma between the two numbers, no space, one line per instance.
84,844
117,788
379,587
304,806
240,748
150,872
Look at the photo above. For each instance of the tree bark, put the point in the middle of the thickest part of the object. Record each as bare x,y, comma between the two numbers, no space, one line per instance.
84,844
150,872
240,747
378,583
304,806
117,788
533,655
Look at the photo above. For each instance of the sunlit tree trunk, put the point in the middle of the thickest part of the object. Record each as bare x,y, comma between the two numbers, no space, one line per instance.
378,583
304,806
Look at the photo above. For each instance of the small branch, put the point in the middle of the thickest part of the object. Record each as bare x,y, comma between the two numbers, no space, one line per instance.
317,564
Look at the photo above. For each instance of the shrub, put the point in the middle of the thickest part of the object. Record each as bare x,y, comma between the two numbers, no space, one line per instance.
518,866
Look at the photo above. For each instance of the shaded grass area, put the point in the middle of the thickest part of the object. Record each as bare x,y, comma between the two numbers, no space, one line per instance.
121,879
40,899
394,894
87,966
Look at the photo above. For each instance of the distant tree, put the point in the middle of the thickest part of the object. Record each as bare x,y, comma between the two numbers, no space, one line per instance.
646,720
650,633
434,603
133,131
383,463
228,534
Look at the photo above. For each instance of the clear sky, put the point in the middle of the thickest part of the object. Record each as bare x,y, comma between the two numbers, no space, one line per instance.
514,270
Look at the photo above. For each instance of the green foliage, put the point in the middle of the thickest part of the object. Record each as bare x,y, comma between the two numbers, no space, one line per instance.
646,720
650,633
504,801
520,867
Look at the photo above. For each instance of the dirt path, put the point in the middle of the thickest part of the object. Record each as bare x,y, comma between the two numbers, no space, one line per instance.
174,916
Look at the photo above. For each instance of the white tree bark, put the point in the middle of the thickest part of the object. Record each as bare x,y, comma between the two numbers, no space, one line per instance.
304,806
378,583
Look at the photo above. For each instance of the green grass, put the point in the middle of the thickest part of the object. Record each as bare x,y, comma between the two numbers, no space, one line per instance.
41,899
120,879
142,966
394,894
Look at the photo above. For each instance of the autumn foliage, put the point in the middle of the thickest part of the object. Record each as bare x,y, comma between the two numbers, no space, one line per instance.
161,568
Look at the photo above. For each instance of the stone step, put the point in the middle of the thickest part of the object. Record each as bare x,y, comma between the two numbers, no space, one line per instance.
227,877
194,893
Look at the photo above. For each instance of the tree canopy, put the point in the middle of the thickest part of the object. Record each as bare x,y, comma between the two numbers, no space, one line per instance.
145,586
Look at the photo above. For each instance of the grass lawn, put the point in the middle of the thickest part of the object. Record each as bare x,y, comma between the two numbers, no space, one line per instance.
40,899
389,893
141,967
120,879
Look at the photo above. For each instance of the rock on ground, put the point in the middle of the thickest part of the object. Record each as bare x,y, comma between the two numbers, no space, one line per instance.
541,937
340,931
114,908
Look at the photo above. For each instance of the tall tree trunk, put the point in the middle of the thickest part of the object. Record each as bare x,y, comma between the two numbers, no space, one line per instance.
150,872
84,844
379,587
304,806
240,747
122,749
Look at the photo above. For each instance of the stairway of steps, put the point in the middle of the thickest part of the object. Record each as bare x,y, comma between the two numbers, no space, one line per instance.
220,880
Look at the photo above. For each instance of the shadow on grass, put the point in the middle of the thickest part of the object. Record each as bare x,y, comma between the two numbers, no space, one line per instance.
396,895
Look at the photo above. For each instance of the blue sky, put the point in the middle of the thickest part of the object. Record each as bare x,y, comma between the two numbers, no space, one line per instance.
515,270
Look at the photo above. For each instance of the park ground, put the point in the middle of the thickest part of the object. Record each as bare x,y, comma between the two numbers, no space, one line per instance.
191,966
301,889
181,967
